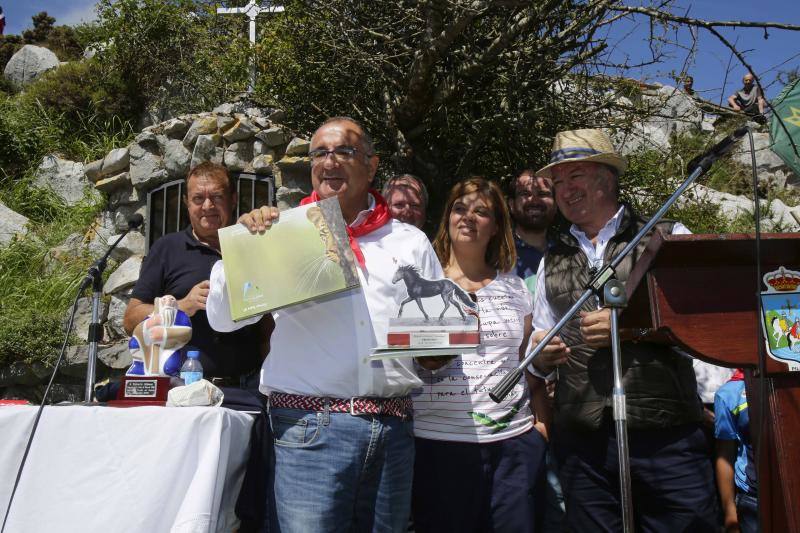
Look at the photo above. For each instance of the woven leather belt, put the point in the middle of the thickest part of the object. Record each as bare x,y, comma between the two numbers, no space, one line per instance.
400,406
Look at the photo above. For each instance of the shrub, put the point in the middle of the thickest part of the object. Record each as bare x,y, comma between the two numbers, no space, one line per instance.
178,55
73,111
9,44
42,26
35,298
77,90
27,133
63,42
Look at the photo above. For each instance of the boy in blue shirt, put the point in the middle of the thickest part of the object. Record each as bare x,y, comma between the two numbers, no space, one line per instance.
735,466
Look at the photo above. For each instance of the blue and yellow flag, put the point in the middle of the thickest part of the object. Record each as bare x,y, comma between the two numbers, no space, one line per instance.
787,106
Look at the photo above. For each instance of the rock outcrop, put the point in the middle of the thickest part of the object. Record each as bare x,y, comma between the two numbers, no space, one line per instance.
29,63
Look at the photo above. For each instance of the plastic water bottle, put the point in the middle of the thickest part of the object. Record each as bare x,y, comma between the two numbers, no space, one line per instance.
191,370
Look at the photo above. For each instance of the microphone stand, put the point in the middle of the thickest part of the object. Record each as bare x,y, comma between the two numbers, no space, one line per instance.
605,285
95,277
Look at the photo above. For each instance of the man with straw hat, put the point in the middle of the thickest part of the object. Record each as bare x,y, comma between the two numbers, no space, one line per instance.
672,481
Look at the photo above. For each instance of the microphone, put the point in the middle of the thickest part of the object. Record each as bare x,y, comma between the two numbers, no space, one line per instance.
95,272
135,221
707,159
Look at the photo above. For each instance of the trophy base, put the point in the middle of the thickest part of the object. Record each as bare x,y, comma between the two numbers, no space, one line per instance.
136,391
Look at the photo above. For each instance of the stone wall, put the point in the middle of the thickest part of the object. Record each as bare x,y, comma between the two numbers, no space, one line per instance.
244,139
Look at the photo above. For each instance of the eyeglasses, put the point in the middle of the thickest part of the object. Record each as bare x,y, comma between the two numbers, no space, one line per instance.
216,199
340,154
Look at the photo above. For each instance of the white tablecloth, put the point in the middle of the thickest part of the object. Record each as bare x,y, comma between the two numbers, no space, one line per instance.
111,470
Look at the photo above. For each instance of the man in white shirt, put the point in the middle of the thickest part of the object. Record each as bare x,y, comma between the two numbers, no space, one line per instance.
670,469
344,449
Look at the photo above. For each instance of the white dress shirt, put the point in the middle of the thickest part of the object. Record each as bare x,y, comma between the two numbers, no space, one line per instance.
544,317
319,348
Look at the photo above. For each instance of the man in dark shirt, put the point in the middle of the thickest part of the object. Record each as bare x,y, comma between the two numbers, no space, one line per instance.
688,85
530,201
180,264
749,99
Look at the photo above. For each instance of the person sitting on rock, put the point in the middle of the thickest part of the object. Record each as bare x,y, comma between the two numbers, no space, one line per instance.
688,85
749,99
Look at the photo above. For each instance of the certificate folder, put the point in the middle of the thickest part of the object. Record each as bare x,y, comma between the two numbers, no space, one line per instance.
304,256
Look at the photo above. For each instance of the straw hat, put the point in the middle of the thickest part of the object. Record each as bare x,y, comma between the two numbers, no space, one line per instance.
583,145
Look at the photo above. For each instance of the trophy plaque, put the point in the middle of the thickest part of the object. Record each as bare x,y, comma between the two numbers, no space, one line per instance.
156,352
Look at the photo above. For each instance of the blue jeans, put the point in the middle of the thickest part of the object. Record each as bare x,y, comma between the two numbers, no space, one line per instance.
338,472
747,512
554,510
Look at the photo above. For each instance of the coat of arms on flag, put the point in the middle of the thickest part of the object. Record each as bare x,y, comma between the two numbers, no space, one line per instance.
781,307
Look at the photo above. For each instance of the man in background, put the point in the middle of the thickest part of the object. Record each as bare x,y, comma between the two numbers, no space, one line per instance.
688,85
749,99
407,198
532,207
180,264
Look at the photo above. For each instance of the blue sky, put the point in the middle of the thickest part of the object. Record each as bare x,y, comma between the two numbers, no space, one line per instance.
708,65
711,59
19,12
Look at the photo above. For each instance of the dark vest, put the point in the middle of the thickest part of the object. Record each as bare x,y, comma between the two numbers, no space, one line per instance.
660,385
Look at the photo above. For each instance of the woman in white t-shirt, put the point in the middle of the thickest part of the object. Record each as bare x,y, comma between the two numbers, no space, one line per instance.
479,465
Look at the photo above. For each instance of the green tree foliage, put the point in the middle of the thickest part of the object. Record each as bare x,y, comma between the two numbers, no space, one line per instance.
42,26
36,288
176,55
652,177
63,41
447,88
9,44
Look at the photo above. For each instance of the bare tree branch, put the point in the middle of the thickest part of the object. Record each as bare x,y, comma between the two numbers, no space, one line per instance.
665,16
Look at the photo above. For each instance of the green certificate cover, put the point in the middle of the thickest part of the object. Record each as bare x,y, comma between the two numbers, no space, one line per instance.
305,255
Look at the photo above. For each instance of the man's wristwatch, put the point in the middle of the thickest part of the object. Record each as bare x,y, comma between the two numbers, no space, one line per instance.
639,334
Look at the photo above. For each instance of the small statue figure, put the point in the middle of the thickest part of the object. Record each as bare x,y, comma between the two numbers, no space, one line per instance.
157,340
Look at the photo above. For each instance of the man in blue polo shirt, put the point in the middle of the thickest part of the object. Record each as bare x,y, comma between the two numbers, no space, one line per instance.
180,264
736,481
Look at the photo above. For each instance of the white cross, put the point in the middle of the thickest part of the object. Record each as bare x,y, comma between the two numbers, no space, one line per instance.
253,9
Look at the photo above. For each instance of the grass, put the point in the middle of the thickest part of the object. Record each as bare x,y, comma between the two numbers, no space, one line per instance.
652,177
36,289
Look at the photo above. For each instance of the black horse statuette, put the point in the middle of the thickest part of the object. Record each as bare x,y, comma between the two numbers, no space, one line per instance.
419,287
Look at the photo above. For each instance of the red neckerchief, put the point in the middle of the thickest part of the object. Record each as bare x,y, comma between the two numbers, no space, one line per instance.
376,219
738,375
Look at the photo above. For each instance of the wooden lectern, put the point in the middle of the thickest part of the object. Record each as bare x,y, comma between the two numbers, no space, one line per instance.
701,291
